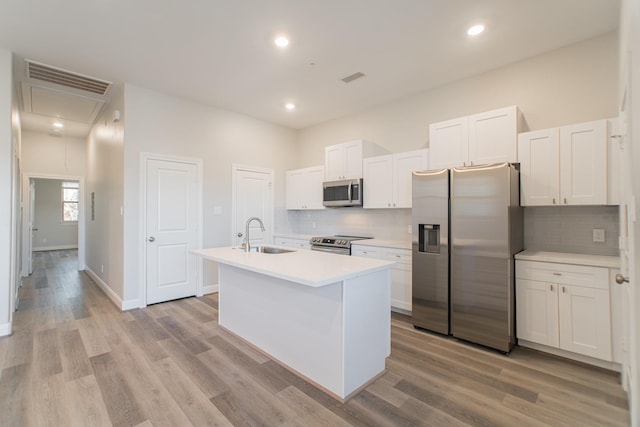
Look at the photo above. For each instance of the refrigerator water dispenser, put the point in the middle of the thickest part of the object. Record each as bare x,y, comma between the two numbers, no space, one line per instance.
429,238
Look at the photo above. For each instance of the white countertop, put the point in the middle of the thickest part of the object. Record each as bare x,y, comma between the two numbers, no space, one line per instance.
569,258
306,237
396,244
306,267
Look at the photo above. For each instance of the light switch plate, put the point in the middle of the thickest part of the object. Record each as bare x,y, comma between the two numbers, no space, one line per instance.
598,235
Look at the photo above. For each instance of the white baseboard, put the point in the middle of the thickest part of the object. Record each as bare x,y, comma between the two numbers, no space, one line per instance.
105,288
210,289
130,304
5,329
54,248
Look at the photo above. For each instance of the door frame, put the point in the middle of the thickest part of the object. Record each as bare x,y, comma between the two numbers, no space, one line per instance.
26,214
142,232
235,168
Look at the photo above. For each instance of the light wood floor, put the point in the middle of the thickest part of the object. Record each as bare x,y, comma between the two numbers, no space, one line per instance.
74,359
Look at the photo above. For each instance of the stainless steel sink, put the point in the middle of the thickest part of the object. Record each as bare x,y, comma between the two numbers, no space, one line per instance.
269,250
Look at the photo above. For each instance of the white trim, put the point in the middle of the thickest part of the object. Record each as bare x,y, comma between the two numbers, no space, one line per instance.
54,248
5,329
122,305
142,249
26,179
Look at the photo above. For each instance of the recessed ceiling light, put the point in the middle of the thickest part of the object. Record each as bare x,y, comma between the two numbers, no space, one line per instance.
475,30
58,125
290,106
281,41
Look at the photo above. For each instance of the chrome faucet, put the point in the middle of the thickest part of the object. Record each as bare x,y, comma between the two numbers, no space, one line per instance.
247,246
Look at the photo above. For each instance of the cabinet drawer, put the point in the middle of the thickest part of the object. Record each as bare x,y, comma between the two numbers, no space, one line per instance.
565,274
400,256
293,243
367,252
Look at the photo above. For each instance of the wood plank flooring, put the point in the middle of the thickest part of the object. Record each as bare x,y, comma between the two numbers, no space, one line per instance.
75,359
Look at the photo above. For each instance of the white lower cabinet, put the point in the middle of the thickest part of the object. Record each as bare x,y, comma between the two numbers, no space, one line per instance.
564,306
400,272
292,242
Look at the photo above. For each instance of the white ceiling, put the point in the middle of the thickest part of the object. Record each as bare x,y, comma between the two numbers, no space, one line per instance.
221,52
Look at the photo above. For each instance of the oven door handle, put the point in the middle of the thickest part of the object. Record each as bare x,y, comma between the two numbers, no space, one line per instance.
349,191
339,251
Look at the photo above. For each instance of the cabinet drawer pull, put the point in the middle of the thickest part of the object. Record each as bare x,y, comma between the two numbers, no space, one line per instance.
557,274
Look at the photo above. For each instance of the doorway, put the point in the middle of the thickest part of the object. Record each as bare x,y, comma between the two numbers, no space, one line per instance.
74,210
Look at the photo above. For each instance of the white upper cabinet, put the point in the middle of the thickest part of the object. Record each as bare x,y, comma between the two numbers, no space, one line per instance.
540,167
449,143
387,179
344,161
564,166
304,188
583,163
493,136
489,137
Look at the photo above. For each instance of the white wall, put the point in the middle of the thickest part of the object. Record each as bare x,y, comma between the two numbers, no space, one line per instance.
52,233
9,142
574,84
105,179
44,154
163,124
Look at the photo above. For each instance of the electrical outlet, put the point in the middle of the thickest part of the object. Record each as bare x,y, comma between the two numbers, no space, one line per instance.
598,235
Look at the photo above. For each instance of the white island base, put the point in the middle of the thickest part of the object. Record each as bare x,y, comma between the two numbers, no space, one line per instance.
336,336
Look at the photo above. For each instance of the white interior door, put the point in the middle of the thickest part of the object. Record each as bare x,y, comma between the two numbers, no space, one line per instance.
252,196
630,350
32,227
172,227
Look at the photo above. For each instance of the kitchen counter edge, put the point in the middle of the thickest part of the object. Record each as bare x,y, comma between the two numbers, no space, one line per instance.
570,258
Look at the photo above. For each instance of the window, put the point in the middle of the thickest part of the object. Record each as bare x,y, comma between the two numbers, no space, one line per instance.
70,199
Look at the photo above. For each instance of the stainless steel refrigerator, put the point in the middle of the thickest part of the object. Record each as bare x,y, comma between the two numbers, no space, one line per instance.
467,226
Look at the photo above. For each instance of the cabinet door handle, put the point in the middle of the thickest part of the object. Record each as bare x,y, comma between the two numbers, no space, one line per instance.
551,287
554,201
565,200
564,290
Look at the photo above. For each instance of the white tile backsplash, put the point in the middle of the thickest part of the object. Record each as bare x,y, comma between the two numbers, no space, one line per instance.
570,229
555,229
389,224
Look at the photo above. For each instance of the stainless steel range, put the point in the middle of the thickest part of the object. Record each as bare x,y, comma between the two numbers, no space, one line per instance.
334,244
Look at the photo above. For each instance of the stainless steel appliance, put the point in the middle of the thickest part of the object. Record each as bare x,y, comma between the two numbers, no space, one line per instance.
467,226
334,244
343,193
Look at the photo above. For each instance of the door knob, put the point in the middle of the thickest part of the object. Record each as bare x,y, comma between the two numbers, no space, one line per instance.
151,239
239,234
620,279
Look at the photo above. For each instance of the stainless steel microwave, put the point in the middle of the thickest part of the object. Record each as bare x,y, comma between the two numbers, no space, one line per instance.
347,192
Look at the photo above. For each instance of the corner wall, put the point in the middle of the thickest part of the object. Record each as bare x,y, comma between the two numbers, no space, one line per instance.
104,233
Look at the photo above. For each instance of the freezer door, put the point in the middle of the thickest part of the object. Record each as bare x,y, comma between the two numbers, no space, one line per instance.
430,263
482,281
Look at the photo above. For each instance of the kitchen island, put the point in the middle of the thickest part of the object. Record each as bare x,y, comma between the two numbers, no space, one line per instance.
324,316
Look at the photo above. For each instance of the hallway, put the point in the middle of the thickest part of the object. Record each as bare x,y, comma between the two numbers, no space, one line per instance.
75,359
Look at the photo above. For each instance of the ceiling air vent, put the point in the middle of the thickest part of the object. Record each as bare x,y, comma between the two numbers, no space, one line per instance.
66,78
353,77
